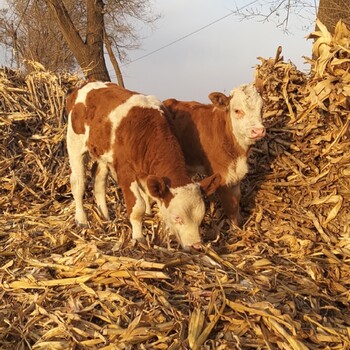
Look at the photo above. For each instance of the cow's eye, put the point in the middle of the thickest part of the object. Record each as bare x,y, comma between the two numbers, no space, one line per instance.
239,112
177,219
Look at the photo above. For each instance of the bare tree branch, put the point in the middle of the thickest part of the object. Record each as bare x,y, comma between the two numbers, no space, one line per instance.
280,12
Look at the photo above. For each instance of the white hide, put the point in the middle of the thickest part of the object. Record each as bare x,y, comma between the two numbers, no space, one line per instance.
236,171
76,146
185,213
83,91
246,99
137,212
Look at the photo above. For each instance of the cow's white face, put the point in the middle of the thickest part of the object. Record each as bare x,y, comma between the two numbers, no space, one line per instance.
182,208
184,214
245,108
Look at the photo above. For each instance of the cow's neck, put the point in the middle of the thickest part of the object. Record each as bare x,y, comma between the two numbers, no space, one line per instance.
175,171
231,145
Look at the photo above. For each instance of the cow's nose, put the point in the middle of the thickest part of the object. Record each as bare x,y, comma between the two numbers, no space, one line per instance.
258,133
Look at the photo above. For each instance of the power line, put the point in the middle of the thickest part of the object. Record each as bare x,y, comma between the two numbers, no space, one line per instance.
179,39
189,34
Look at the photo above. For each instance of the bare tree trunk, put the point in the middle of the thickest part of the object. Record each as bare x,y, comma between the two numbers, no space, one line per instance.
331,11
89,54
113,60
94,39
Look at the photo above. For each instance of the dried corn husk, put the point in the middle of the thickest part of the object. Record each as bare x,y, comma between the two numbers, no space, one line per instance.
281,282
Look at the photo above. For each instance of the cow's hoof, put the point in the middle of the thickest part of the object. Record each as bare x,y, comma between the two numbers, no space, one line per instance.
104,214
197,246
82,223
139,240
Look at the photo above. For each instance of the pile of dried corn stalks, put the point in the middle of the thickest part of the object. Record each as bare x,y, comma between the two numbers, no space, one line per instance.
282,282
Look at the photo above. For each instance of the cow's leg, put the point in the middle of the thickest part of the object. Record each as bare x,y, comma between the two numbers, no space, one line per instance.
100,188
76,150
230,197
147,202
135,204
236,192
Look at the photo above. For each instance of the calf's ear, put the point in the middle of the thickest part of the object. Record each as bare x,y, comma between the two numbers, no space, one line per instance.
157,186
259,85
219,100
210,184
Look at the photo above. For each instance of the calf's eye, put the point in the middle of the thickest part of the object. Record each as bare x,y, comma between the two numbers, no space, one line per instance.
177,219
239,113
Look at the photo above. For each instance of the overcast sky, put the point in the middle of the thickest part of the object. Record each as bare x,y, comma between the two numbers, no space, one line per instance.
217,58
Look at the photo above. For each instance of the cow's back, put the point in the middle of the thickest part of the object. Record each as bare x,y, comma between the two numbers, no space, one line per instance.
145,139
124,126
188,122
90,108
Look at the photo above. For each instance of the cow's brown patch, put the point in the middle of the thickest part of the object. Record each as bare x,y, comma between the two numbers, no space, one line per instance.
77,112
146,137
99,104
70,100
78,118
167,199
160,188
205,135
104,100
99,141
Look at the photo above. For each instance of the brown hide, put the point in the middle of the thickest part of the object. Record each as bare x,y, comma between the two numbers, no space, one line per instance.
207,141
145,145
205,135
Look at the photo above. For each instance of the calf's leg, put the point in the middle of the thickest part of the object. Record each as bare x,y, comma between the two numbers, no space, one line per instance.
230,197
100,188
135,203
77,180
147,200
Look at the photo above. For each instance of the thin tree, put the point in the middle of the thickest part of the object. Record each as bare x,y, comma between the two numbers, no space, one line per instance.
66,34
280,12
89,52
27,31
329,12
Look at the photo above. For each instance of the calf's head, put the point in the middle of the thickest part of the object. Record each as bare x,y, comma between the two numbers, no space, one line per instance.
243,108
182,208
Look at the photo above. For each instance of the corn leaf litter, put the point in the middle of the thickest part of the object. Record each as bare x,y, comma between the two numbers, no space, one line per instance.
280,282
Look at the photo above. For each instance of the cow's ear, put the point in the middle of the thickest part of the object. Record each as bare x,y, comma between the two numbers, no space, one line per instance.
219,100
259,85
157,186
210,184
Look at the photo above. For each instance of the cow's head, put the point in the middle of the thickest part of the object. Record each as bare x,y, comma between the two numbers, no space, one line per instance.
182,208
243,108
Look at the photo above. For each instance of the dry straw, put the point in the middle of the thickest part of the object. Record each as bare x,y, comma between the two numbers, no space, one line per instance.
282,282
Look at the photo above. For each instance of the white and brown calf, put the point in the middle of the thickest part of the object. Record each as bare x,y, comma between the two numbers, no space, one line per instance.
129,136
216,138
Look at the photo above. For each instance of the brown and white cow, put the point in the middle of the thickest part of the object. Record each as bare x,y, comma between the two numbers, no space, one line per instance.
215,138
128,134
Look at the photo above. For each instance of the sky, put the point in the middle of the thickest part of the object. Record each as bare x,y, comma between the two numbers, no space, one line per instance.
217,58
